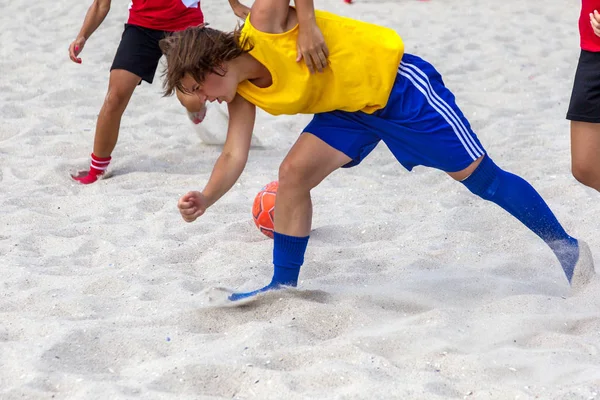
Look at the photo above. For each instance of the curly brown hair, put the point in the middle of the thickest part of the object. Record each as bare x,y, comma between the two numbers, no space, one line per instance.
198,51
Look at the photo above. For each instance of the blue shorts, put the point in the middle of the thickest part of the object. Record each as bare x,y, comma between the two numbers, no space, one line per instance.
421,124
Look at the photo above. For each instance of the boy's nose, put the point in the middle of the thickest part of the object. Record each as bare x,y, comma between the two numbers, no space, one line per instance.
201,96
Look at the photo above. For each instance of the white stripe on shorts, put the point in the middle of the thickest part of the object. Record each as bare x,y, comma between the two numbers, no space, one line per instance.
412,72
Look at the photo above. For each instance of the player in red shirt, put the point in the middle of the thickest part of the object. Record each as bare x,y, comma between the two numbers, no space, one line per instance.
584,107
138,55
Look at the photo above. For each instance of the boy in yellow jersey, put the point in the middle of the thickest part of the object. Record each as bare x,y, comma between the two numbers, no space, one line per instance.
371,91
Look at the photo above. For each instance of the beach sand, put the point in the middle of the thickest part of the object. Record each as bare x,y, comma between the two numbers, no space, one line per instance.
412,288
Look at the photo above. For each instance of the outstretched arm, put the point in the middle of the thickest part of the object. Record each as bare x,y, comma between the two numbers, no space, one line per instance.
93,18
229,165
232,160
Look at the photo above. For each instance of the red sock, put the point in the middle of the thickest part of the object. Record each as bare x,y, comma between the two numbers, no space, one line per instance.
98,167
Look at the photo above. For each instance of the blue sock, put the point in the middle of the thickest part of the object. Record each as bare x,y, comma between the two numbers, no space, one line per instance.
288,257
522,201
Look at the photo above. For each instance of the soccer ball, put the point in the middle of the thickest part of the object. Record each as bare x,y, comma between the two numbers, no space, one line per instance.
263,209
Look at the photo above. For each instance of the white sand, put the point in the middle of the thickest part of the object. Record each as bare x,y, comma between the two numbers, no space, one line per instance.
412,287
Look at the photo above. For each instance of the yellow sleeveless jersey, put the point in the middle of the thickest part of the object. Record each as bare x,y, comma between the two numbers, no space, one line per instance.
363,63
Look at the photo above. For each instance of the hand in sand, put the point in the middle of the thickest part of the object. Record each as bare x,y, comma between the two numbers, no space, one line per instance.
192,205
75,48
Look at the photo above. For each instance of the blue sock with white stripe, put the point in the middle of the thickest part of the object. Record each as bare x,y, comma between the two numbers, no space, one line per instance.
288,257
522,201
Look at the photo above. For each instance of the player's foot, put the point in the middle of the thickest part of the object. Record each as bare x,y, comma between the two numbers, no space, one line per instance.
85,177
245,295
584,268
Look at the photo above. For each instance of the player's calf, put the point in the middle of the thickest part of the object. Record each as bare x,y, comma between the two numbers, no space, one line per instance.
521,200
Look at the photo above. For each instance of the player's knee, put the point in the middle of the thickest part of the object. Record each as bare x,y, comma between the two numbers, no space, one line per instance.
586,173
485,179
292,175
116,100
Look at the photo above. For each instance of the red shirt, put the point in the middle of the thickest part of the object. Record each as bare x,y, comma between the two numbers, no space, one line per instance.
589,40
165,15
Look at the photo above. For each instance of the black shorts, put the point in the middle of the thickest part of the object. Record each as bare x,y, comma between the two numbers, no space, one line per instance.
585,98
139,52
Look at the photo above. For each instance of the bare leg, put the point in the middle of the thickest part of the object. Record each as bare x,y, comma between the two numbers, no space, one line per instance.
516,196
121,85
309,162
585,153
465,173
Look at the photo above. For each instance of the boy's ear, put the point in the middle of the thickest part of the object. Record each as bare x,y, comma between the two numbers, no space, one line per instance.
221,69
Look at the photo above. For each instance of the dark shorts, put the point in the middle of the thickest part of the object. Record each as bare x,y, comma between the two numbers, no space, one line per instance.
585,98
421,124
139,52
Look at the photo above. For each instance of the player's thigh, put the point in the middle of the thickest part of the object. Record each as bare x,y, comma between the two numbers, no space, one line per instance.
350,133
584,113
121,85
584,105
309,161
423,125
139,52
585,145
